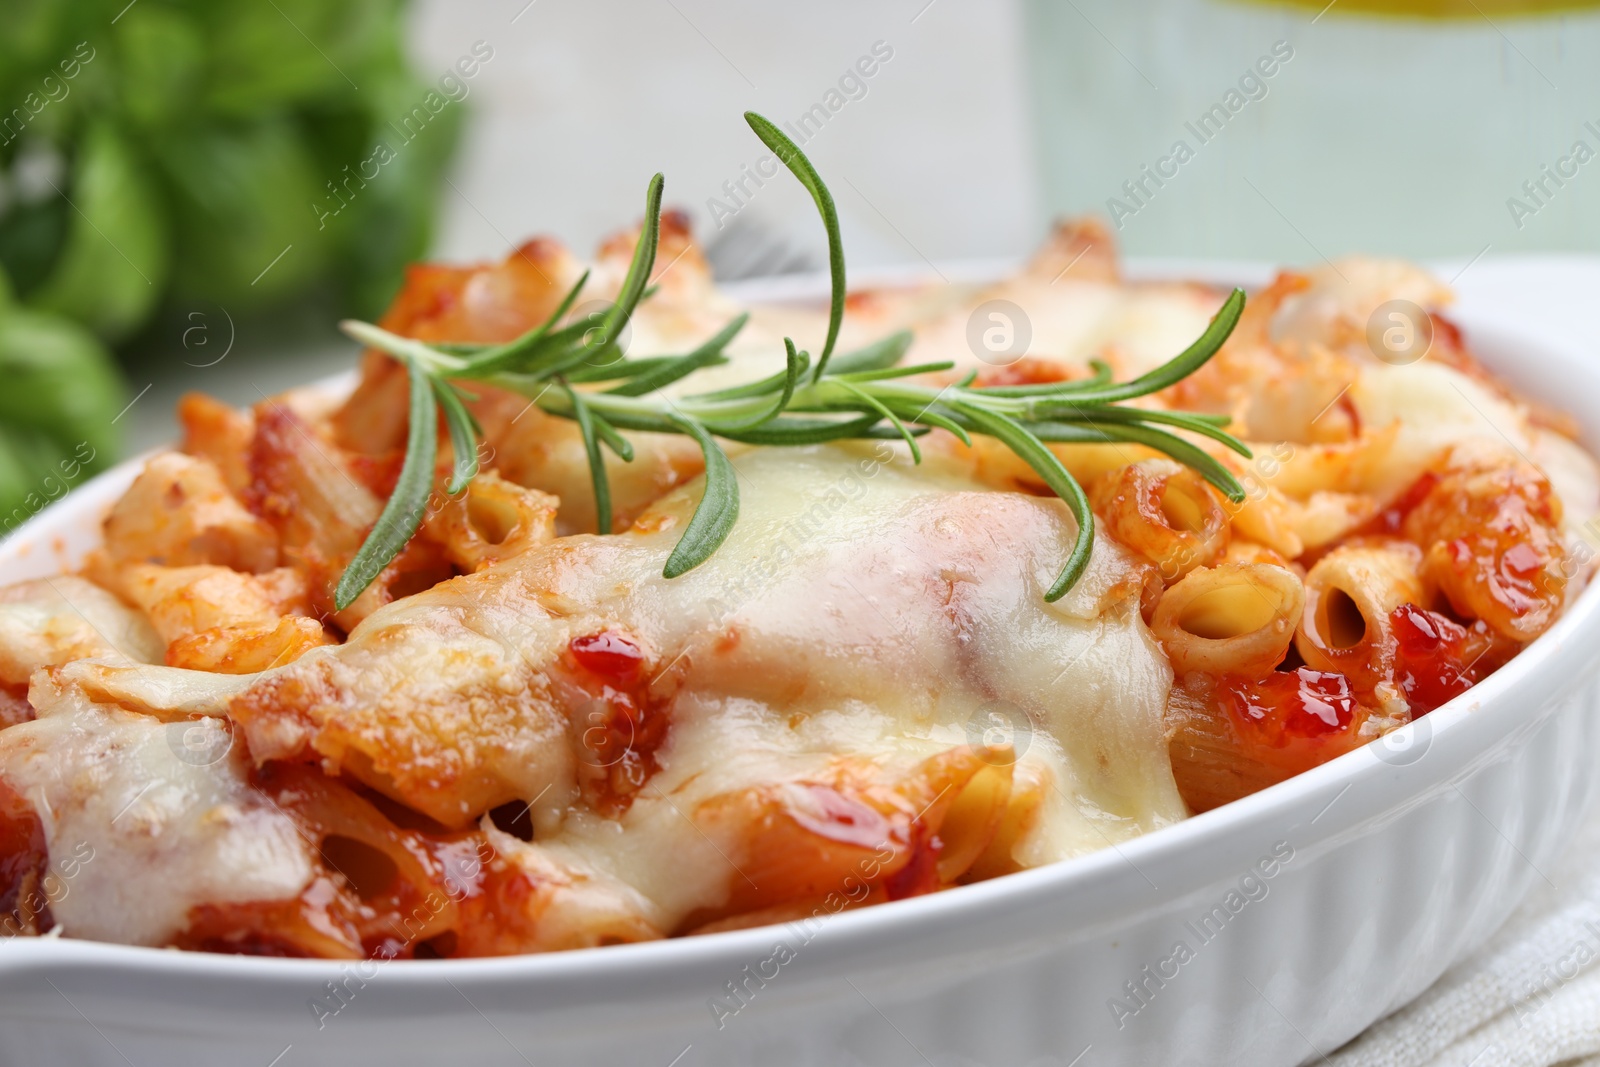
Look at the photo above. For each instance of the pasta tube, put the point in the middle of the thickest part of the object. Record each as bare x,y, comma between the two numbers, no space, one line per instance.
1350,596
1164,512
1237,619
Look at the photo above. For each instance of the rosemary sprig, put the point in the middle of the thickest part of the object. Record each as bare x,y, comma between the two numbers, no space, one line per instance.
860,394
801,168
403,513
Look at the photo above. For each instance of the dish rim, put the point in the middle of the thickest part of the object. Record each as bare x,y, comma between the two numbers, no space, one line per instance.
1184,844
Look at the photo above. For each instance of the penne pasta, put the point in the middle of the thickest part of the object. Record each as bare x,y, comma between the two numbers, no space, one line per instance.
1234,619
180,601
249,648
493,520
308,489
178,512
215,619
220,434
1165,512
1231,739
1490,527
1242,551
525,736
1293,527
856,831
1350,596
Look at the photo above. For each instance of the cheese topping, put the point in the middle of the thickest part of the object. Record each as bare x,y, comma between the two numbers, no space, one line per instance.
523,737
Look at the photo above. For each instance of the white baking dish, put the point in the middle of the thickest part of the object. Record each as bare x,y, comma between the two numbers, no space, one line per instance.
1387,865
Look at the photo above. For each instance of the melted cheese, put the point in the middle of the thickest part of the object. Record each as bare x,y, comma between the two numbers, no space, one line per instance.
866,627
163,810
1575,477
1136,327
1436,407
861,606
58,620
884,618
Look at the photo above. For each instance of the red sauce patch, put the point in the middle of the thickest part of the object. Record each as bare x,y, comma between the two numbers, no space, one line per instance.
1391,518
622,723
610,655
378,473
921,873
24,862
1439,658
1302,703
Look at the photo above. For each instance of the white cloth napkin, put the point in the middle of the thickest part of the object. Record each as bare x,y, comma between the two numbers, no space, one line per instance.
1528,998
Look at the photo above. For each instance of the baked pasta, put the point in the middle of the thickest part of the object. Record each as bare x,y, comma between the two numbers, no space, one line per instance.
521,736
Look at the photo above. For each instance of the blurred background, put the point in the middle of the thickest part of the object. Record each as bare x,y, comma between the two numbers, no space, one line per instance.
192,192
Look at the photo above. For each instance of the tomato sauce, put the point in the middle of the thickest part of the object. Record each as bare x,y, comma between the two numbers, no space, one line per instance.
1290,705
24,862
622,725
1392,518
921,873
1439,658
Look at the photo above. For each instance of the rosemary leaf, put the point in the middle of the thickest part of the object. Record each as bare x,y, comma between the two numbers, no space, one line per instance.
865,397
597,463
638,276
1100,377
464,432
510,354
717,511
677,367
798,362
879,355
404,349
944,422
888,373
613,440
883,409
793,431
1205,425
1113,433
759,387
403,513
1183,451
876,356
1184,363
624,370
1031,451
791,156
